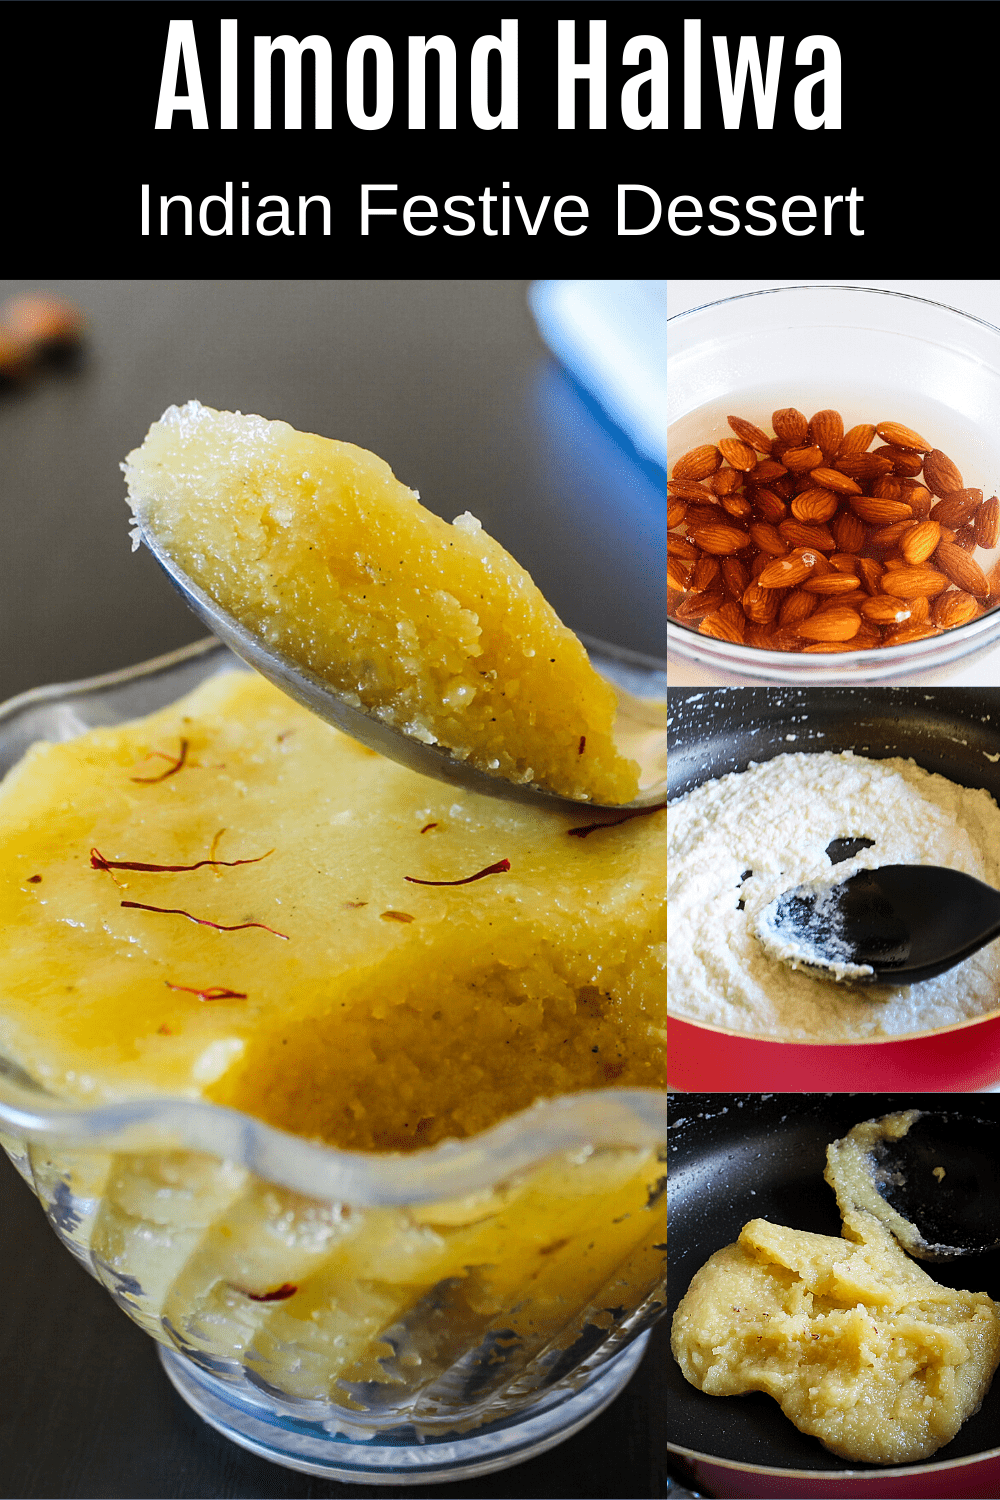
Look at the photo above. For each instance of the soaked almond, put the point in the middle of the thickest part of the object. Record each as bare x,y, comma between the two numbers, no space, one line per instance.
698,463
815,541
790,426
750,434
836,624
919,541
987,523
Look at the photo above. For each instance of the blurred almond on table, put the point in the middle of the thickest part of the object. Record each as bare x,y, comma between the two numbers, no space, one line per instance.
16,356
43,321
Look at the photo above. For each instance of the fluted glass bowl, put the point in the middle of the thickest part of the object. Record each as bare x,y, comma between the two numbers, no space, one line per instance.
378,1317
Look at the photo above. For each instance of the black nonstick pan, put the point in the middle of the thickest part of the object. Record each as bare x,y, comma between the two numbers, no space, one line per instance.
953,731
736,1157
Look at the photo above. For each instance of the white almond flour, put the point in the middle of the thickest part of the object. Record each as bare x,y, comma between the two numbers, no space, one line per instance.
776,820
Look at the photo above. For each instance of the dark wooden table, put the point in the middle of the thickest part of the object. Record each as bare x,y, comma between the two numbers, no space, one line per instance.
449,381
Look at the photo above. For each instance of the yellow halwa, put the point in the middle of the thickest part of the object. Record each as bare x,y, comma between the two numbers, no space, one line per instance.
317,548
366,1009
857,1344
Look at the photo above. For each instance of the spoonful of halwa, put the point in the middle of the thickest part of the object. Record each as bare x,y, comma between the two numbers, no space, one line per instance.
424,640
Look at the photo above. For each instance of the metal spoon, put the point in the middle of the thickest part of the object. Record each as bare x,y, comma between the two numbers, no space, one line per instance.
640,728
938,1171
903,923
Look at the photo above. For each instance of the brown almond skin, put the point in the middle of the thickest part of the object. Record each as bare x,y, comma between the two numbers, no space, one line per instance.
887,487
790,425
849,531
962,569
678,574
835,624
919,498
738,506
957,507
920,541
738,455
883,609
725,482
761,636
941,474
696,605
688,489
871,572
734,576
826,429
857,439
784,573
906,462
954,608
987,523
767,470
801,460
750,434
878,549
891,536
814,506
899,436
831,584
770,506
720,539
829,648
833,479
766,538
698,463
911,632
797,534
704,515
760,605
721,630
706,573
879,512
864,467
909,583
795,607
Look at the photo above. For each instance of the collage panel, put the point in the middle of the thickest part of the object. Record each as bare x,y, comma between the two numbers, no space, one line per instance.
332,1011
833,969
833,1263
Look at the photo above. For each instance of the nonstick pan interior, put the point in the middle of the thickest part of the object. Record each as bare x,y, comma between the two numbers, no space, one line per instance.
953,731
736,1157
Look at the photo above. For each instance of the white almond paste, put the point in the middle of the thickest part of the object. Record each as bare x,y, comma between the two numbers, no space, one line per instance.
777,819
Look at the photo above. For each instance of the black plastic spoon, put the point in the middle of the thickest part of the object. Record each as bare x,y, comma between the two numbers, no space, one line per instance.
905,923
